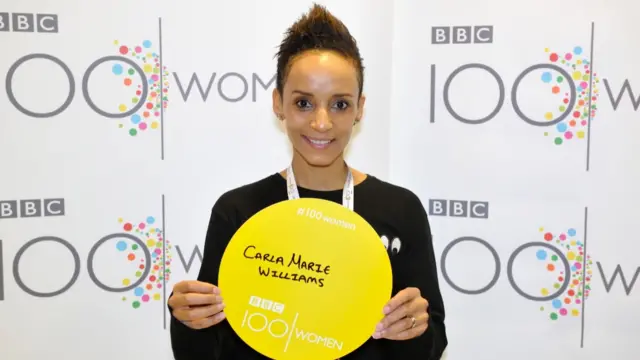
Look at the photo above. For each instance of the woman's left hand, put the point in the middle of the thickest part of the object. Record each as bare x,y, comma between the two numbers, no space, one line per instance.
405,318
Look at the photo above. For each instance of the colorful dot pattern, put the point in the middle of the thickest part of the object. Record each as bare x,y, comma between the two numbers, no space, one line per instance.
576,124
148,117
570,302
152,236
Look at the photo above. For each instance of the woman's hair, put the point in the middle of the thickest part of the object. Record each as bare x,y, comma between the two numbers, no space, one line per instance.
317,30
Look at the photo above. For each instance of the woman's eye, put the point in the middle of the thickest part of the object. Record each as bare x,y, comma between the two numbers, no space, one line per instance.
342,105
303,104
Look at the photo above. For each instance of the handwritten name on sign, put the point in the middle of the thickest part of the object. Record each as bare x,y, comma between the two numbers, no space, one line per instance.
316,269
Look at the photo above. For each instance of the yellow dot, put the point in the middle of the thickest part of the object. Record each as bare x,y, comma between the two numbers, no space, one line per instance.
120,220
575,312
115,42
580,134
151,242
156,297
546,49
544,292
548,116
577,75
152,230
122,107
573,243
126,282
149,55
571,255
148,68
579,62
541,229
154,125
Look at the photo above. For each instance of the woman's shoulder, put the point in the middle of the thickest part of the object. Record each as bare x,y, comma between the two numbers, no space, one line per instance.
255,194
388,191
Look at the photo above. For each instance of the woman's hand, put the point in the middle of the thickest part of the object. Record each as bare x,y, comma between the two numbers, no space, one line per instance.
197,304
405,318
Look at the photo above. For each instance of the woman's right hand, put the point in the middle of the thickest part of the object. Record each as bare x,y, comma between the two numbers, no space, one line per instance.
197,304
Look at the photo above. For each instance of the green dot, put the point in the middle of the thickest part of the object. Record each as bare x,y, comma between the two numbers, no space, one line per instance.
138,273
585,77
554,257
135,100
562,108
553,316
556,286
558,141
133,132
541,308
131,71
579,258
134,246
559,79
159,244
136,304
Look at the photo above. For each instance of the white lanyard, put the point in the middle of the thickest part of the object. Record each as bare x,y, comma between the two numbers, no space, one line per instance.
347,192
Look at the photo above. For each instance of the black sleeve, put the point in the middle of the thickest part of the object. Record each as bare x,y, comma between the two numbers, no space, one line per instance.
189,344
420,270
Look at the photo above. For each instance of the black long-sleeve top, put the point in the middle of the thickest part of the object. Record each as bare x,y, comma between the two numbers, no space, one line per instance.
397,215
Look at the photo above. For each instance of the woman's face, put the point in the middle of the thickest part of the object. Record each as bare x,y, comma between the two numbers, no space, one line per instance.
319,105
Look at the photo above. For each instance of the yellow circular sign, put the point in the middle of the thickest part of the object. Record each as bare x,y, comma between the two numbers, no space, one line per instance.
305,279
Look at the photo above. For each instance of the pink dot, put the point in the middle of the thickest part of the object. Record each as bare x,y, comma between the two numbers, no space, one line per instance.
578,301
563,237
142,126
154,77
578,265
562,311
145,297
159,285
141,226
156,113
158,251
568,135
584,122
138,49
584,84
568,56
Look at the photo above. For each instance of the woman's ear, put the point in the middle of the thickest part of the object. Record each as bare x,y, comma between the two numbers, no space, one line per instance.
277,104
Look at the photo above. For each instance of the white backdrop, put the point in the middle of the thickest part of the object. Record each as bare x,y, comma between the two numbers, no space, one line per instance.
85,206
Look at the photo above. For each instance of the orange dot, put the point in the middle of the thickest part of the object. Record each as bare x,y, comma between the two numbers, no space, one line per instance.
145,114
576,282
127,81
572,123
153,94
156,267
581,102
550,267
555,89
149,287
131,257
567,301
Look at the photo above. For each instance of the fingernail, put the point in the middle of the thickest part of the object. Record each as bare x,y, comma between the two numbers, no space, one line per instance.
376,335
216,290
379,327
386,310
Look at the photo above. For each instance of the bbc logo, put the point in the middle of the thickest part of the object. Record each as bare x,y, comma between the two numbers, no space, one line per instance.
459,208
29,23
12,209
462,34
265,304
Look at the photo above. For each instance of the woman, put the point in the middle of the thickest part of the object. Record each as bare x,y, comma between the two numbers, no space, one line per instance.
319,98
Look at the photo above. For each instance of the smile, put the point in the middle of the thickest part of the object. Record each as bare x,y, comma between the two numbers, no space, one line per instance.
318,143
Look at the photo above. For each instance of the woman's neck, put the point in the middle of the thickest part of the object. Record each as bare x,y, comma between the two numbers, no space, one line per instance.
322,178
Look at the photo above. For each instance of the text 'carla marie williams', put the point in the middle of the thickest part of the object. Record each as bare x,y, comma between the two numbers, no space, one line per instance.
316,269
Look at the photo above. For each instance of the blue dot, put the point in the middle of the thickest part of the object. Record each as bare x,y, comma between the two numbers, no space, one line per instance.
150,220
556,303
138,291
573,268
546,77
572,232
146,44
117,69
541,254
577,50
135,118
154,255
121,245
562,127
